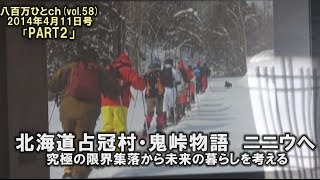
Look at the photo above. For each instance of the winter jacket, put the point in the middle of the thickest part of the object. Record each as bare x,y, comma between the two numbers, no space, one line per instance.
183,72
169,83
198,72
128,78
190,74
179,79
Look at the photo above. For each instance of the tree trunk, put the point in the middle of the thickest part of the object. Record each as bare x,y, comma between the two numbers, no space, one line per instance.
117,34
244,38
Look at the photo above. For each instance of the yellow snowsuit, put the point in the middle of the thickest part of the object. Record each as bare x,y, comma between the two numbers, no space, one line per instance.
114,119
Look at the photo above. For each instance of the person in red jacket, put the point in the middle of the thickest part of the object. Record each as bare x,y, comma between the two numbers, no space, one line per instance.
184,82
204,78
192,88
190,72
114,111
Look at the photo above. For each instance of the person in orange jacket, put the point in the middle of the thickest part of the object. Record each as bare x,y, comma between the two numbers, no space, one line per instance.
114,111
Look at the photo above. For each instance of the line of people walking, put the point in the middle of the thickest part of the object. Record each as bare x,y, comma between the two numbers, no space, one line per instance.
87,90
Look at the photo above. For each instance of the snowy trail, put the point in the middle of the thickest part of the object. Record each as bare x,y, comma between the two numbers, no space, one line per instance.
219,110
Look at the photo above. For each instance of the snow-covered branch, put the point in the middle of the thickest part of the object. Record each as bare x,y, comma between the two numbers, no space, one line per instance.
189,10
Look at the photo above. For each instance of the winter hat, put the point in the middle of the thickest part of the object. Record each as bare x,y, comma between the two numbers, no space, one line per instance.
157,62
169,61
87,54
151,67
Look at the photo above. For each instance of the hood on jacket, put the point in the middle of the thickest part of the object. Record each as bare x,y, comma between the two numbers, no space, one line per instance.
199,63
122,60
157,62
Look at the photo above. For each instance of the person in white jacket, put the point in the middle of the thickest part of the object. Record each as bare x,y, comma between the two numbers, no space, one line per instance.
169,78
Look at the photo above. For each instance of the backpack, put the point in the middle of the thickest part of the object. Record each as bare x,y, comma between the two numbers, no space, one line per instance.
85,81
167,77
115,73
154,85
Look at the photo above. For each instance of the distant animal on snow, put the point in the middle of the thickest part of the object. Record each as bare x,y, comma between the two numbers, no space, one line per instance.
227,85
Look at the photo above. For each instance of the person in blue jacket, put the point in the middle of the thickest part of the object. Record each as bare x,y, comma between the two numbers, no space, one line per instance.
198,74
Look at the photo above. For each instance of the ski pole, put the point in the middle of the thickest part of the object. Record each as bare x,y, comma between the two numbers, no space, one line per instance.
144,107
134,107
198,102
54,106
56,103
145,115
174,94
209,83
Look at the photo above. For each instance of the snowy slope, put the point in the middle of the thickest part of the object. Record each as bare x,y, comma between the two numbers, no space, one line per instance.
217,110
